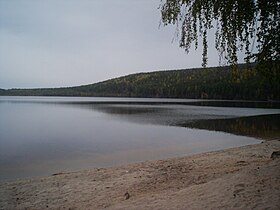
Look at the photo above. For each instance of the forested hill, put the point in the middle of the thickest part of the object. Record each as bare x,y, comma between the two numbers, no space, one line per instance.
211,83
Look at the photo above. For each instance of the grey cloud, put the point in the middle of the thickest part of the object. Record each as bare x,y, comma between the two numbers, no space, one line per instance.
65,43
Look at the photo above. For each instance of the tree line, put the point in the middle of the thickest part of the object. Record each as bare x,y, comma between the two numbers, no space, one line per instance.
242,83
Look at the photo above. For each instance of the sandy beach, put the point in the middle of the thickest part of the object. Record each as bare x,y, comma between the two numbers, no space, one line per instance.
238,178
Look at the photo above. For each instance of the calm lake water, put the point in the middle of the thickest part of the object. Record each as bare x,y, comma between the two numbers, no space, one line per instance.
44,135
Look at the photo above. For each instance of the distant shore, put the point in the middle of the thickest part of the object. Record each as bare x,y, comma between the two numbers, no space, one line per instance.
238,178
194,83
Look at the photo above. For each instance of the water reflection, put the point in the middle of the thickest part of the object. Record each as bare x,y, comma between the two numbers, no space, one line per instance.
264,126
231,103
207,118
235,120
125,109
170,114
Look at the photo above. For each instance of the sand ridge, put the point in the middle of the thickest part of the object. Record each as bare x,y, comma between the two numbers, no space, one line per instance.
238,178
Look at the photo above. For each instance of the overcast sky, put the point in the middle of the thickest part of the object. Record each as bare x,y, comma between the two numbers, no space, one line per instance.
55,43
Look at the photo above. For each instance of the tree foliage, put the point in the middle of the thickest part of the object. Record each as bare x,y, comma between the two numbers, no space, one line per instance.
241,25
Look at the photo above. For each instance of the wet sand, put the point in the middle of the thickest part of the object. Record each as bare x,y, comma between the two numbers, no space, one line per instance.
238,178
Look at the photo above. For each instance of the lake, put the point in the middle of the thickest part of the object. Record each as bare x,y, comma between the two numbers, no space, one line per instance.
40,136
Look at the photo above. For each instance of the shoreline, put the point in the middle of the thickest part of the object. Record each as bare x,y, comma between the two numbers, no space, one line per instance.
241,178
